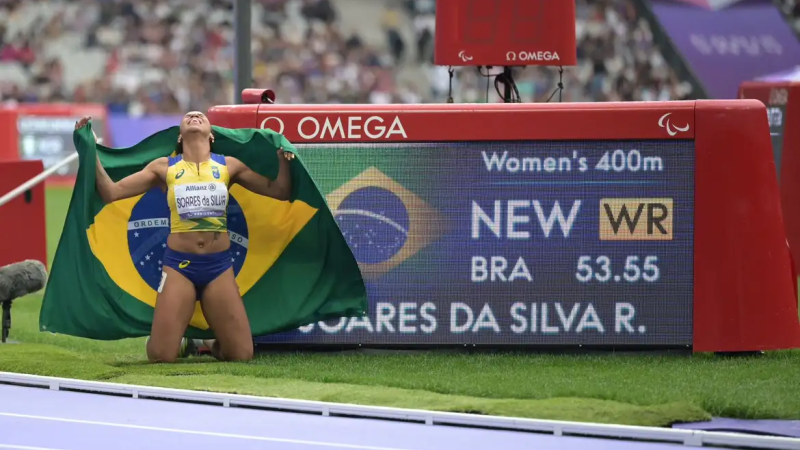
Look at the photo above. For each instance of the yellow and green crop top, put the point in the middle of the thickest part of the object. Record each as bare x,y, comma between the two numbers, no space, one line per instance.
198,197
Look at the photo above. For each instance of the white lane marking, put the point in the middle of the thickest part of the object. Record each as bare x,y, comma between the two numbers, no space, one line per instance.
200,433
25,447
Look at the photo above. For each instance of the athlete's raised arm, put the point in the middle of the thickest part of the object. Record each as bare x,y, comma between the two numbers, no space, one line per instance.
138,183
280,188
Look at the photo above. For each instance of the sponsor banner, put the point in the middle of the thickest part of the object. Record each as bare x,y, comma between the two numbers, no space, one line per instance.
574,242
727,43
352,127
393,124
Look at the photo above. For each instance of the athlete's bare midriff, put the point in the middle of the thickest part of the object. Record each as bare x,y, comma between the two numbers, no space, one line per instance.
199,242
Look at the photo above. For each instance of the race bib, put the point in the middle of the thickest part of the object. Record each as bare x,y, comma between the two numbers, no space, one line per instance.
199,200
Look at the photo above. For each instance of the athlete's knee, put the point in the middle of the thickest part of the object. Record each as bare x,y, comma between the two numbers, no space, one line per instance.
160,353
161,357
238,353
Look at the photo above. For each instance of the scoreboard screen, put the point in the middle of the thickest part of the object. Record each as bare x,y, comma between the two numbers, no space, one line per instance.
49,138
513,242
631,224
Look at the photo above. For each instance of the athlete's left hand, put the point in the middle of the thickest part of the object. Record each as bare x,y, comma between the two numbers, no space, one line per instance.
288,156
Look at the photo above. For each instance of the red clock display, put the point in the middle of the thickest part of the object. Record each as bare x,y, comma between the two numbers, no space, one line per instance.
483,32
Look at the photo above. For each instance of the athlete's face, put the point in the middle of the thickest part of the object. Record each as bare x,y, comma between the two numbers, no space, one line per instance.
195,122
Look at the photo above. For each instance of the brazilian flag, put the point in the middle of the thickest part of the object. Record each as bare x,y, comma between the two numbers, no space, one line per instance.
292,263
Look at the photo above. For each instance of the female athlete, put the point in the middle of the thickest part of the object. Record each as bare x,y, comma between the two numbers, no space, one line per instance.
197,263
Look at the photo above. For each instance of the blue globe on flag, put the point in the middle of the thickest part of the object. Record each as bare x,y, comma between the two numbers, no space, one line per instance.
375,223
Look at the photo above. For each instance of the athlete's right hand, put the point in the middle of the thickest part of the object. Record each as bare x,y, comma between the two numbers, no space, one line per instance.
82,123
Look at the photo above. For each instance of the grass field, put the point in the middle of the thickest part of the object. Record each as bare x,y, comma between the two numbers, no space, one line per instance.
623,389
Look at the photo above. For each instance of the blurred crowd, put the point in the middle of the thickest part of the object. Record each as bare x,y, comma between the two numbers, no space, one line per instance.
168,56
792,10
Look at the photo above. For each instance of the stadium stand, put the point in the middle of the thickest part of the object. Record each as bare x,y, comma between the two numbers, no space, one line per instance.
168,56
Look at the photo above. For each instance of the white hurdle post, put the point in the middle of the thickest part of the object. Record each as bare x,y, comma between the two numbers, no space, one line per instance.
19,190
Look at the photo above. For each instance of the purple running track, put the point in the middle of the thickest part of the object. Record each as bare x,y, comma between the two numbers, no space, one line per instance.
41,419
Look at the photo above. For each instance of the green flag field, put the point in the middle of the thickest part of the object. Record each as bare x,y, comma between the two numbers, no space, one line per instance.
655,390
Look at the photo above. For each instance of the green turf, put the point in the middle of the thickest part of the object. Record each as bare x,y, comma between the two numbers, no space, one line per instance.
635,390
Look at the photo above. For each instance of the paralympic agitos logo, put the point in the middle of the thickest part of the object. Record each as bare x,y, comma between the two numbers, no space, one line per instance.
341,127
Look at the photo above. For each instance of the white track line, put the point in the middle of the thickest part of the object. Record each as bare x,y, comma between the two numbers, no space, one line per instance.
199,433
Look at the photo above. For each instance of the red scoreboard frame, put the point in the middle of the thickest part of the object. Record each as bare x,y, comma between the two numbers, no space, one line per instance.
784,95
744,282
